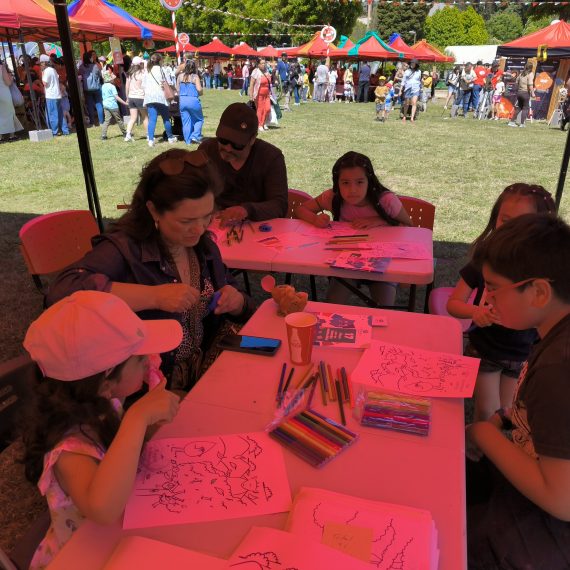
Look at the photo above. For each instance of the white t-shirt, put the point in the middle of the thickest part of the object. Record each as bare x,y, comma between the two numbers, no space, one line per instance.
322,74
50,79
499,88
245,71
333,76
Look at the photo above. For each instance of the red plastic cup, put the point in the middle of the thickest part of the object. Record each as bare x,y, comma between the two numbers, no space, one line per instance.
301,328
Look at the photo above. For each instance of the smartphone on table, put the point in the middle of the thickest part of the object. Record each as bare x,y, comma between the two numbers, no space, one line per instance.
250,344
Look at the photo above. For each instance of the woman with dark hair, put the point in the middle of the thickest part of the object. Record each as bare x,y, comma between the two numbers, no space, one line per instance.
160,259
154,99
358,197
525,85
135,96
92,81
189,88
411,86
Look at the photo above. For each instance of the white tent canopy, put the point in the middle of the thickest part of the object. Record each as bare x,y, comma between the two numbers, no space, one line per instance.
463,54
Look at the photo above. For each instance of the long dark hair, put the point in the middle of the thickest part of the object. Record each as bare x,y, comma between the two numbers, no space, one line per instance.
59,407
166,192
375,188
542,199
155,59
189,69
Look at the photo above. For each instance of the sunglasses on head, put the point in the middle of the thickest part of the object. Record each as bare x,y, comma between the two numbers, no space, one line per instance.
226,142
175,165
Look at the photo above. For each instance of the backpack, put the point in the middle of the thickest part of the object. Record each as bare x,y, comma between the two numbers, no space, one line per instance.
93,79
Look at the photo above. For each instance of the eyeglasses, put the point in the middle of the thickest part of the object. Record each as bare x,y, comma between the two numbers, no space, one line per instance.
226,142
173,166
493,292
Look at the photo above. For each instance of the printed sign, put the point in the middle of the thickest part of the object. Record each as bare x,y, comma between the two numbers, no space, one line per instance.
183,39
328,34
115,44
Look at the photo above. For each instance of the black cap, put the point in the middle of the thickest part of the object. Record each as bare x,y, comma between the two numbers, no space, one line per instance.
238,124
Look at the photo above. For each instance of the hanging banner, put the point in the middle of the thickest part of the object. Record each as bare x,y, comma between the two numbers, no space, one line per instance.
328,34
115,44
171,5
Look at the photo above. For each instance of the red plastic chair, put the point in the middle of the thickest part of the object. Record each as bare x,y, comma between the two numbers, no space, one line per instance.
51,242
437,304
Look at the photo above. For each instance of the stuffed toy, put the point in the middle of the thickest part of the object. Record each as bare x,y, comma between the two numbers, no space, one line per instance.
288,300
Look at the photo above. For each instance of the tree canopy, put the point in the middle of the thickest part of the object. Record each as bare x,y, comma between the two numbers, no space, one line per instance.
402,19
505,26
451,26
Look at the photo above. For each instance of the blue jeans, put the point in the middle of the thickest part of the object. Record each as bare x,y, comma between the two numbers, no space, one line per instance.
463,100
217,81
192,119
476,94
230,81
296,94
94,101
245,86
207,81
155,109
56,120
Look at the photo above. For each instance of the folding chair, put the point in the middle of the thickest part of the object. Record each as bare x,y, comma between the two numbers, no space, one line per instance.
422,214
437,304
51,242
296,198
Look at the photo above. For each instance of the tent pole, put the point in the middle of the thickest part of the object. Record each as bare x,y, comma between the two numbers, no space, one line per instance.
13,58
563,171
35,113
82,138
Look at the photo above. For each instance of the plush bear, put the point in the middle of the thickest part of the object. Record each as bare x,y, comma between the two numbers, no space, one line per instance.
288,300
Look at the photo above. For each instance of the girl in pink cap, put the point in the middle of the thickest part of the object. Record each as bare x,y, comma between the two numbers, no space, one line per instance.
80,448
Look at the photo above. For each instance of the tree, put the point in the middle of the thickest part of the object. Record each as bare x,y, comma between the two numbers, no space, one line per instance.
401,18
535,23
557,11
445,28
505,26
473,28
146,10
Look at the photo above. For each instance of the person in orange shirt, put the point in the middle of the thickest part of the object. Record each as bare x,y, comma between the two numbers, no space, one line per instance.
481,73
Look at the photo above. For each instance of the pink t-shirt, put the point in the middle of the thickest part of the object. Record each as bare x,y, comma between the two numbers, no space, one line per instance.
348,212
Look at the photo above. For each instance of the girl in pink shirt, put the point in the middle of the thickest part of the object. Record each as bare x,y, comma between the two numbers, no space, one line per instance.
358,197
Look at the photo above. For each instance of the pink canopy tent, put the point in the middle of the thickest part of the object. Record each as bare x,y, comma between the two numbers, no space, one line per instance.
430,53
36,20
244,50
269,51
400,45
215,48
116,21
172,49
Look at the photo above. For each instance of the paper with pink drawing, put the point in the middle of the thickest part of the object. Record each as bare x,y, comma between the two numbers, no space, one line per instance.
401,537
410,370
187,480
269,548
148,554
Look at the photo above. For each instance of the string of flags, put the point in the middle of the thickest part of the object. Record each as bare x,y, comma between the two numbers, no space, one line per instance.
198,6
527,3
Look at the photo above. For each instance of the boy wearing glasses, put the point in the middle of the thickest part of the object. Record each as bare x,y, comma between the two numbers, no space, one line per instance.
518,494
253,171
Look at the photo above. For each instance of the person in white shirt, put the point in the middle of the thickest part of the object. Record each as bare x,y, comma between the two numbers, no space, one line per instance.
333,75
321,81
54,110
497,96
245,77
217,73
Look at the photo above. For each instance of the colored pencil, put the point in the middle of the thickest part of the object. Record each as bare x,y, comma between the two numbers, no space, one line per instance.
280,387
340,404
286,387
330,381
345,387
323,382
304,376
314,380
332,424
296,447
322,428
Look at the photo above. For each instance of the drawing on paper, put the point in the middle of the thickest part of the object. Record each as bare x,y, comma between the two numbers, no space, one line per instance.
189,480
414,371
334,329
388,549
261,560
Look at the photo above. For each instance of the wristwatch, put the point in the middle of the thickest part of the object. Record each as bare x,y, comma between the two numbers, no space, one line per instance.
506,423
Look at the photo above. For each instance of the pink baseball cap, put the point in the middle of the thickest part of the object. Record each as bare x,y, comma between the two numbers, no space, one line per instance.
90,332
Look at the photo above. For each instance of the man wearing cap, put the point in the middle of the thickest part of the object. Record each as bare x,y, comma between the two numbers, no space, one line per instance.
253,171
50,79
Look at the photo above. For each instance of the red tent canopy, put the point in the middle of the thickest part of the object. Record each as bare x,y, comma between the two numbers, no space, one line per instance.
427,52
116,21
555,37
214,48
409,53
36,20
244,50
268,51
372,47
315,47
172,49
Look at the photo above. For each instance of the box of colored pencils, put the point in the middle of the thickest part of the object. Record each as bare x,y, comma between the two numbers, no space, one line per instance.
397,412
313,437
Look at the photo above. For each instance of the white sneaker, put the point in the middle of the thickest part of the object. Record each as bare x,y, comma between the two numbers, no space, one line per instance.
260,129
172,140
150,143
265,128
129,137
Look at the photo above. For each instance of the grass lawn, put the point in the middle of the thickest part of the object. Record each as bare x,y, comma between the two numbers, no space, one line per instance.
461,166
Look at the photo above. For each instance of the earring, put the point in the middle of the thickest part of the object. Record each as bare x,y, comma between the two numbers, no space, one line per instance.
156,224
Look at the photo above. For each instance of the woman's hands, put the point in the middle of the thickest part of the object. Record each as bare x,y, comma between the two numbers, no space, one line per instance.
231,301
321,220
175,297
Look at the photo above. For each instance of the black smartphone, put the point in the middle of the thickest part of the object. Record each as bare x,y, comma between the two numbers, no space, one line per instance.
251,344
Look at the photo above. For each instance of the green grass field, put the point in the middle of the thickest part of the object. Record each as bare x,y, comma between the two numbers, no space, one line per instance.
460,165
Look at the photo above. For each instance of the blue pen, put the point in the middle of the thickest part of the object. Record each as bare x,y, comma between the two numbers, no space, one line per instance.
214,301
